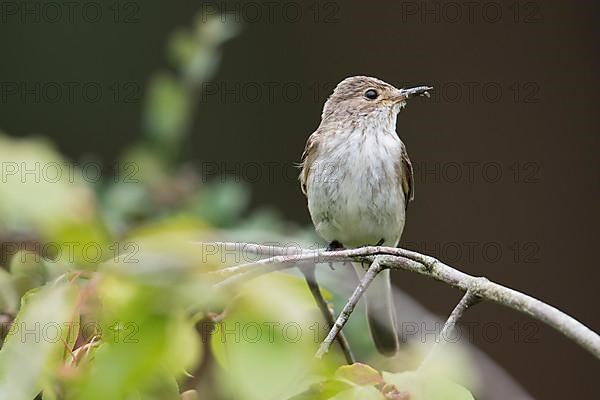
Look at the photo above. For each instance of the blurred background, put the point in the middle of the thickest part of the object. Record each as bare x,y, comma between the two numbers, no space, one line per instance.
505,151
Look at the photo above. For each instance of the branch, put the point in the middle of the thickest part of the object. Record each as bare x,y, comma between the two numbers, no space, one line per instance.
466,301
309,275
402,259
364,283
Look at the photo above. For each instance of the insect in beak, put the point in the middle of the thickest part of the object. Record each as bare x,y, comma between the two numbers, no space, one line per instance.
405,94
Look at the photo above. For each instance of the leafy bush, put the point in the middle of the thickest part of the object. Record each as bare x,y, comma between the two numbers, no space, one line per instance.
108,294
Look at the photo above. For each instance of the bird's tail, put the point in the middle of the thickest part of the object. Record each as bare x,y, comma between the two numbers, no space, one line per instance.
381,313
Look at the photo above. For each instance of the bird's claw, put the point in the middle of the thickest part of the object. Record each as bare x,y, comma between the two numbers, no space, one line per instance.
333,246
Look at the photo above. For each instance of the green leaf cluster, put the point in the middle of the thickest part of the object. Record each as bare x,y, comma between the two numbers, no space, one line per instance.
107,290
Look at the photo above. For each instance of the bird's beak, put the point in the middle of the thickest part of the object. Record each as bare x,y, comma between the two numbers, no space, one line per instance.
405,94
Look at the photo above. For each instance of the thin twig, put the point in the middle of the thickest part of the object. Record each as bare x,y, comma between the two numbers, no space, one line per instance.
364,283
253,272
396,258
257,249
307,256
311,280
468,299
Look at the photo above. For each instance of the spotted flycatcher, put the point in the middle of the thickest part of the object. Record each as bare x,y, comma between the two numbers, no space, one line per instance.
358,180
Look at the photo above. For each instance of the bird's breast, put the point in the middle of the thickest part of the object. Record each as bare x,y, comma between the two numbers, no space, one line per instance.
354,192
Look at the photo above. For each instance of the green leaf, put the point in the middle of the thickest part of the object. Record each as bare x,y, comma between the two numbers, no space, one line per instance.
9,296
164,388
28,270
427,386
359,374
41,190
323,390
267,342
148,340
35,345
360,393
349,382
196,52
167,111
221,203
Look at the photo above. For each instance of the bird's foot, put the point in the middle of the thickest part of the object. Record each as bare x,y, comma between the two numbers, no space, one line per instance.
367,264
333,246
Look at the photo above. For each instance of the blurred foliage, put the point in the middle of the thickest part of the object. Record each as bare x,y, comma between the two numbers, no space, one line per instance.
361,382
106,294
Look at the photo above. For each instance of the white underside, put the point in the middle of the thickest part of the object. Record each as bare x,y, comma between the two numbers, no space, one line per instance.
353,193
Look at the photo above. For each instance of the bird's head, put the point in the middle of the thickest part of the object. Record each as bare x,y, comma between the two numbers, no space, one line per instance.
363,95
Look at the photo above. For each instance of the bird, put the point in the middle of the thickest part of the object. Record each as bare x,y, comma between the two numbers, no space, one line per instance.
358,180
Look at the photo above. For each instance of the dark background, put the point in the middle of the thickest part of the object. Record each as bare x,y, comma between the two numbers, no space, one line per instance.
505,152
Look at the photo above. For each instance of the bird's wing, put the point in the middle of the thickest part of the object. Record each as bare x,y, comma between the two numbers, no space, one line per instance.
406,176
308,156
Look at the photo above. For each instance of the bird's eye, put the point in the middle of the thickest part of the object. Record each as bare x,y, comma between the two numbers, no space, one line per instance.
371,94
